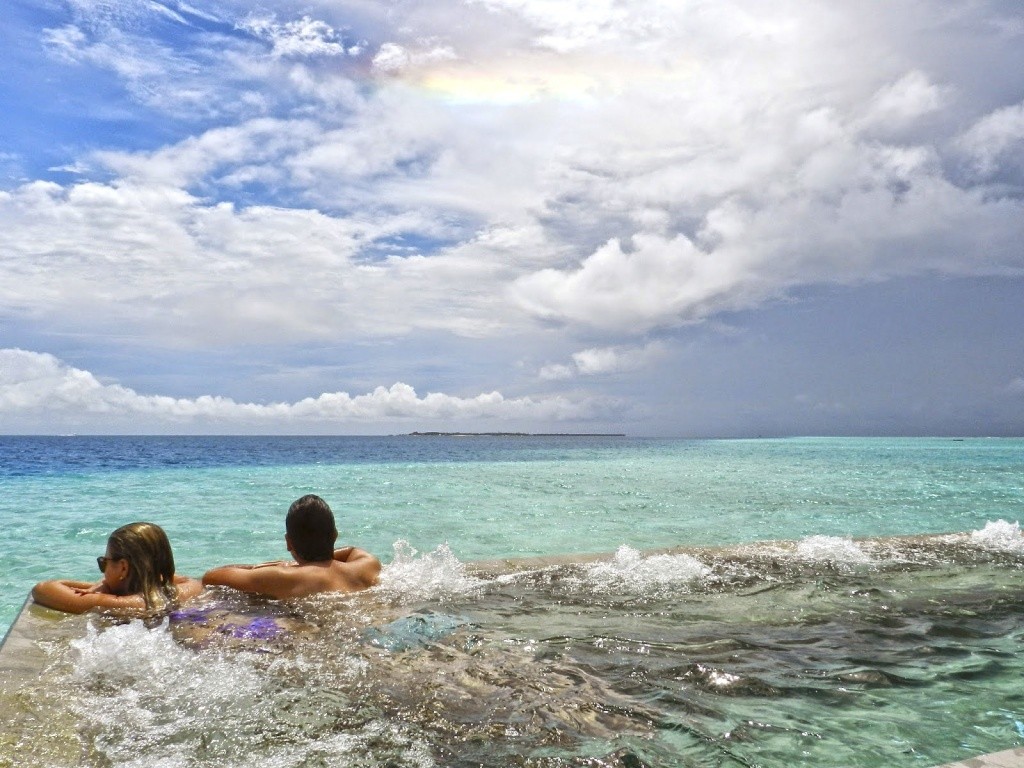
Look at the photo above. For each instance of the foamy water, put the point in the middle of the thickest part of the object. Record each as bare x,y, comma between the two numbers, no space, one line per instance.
731,652
630,572
999,535
831,549
435,575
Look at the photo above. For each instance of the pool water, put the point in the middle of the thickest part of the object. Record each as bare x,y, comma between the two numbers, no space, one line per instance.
823,651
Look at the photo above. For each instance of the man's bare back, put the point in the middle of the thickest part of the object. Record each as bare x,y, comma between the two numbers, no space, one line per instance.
351,570
316,567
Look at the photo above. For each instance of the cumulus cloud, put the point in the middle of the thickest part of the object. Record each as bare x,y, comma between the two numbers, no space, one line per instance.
393,58
994,140
298,38
597,361
900,103
556,372
98,257
600,360
842,208
32,383
658,188
615,288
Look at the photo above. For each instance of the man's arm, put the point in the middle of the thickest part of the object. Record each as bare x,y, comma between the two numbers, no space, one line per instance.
343,554
272,579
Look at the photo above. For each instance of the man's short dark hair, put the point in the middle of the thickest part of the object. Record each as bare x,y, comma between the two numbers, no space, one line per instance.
310,527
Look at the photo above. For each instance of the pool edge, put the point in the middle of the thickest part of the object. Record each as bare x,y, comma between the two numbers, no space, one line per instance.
1010,758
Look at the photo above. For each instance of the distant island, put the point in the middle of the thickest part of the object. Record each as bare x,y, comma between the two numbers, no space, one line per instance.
517,434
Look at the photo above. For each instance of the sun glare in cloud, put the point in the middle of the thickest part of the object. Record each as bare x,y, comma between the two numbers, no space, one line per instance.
506,87
524,78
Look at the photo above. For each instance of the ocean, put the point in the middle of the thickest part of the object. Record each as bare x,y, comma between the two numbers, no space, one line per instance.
793,628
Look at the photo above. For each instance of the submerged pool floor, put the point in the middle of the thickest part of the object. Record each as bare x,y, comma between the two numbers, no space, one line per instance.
824,652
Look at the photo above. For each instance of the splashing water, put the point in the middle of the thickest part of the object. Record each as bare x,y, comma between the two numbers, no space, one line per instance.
831,549
630,572
145,700
436,575
999,535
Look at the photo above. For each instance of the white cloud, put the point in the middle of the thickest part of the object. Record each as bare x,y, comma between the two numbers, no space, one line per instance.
36,383
157,261
255,146
904,101
598,361
845,211
593,361
556,372
994,140
1016,387
66,41
566,25
657,281
300,38
391,57
151,71
231,64
655,184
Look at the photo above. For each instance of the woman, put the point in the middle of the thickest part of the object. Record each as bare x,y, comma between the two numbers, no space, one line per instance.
138,576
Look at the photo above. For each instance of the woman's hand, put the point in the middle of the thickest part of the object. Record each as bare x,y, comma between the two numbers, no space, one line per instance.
99,588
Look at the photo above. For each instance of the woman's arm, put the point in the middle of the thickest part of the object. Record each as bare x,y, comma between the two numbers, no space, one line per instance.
81,596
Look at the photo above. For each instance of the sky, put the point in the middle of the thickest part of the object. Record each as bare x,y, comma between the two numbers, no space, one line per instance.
721,218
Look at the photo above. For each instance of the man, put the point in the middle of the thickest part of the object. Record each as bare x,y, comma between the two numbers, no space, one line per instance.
317,567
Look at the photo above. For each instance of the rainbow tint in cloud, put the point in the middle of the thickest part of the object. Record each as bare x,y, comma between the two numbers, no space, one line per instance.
533,78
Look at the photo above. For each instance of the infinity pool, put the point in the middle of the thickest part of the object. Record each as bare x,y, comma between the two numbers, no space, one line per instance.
824,651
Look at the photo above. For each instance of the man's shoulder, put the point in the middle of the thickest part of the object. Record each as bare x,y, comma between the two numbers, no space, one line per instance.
357,574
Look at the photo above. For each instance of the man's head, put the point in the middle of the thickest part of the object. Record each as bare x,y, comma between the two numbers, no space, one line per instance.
310,529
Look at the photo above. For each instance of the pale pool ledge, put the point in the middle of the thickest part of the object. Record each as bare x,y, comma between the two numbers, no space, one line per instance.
1011,758
24,662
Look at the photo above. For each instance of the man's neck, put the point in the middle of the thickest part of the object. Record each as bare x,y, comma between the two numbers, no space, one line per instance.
301,561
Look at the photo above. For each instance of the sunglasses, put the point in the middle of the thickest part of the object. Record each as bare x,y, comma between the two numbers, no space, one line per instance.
102,561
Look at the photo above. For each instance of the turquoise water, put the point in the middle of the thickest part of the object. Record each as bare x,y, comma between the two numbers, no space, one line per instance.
808,620
223,499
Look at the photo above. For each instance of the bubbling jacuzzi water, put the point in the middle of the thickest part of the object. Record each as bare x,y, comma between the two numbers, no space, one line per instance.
825,652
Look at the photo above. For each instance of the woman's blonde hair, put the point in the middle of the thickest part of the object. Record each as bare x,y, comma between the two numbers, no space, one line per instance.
151,571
